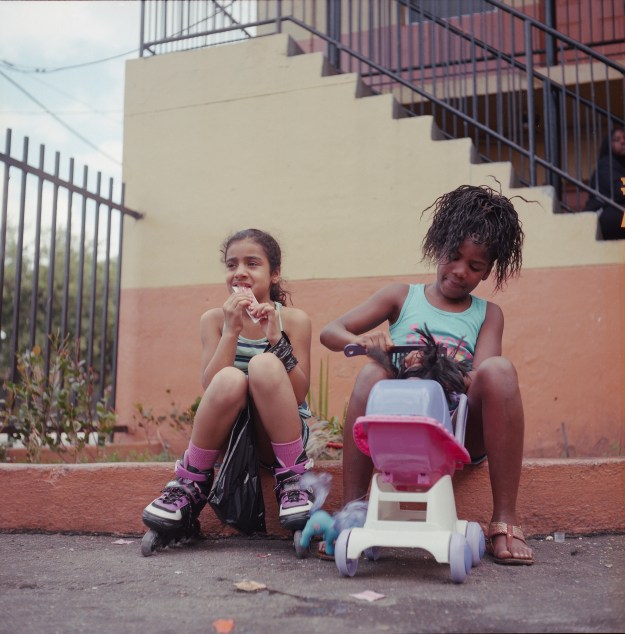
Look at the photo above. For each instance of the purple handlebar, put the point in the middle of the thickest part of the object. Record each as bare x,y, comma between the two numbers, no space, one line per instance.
355,350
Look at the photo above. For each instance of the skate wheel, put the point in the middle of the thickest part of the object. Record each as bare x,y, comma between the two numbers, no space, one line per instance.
347,567
300,551
373,553
477,543
460,557
150,542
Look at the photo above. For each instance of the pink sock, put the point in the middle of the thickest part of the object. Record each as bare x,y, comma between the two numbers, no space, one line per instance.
288,452
201,459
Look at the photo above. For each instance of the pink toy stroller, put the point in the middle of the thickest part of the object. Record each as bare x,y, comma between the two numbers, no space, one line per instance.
408,432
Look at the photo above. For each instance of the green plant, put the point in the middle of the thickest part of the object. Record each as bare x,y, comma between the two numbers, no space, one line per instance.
326,432
179,419
58,409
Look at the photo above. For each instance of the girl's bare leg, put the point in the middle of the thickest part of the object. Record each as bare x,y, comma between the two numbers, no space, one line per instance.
357,468
496,427
220,405
274,402
281,443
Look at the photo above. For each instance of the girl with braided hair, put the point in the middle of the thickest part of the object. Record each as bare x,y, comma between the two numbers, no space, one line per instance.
475,232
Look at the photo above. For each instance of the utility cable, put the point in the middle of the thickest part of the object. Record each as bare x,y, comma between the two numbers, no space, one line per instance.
59,120
102,113
35,69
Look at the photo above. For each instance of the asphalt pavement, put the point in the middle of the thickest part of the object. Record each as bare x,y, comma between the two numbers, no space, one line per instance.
102,584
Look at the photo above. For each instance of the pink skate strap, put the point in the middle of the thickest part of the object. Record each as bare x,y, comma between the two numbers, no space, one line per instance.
189,475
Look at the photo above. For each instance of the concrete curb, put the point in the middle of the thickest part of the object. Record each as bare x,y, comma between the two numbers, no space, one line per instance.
581,496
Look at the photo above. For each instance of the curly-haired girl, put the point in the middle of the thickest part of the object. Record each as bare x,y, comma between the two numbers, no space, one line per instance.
475,231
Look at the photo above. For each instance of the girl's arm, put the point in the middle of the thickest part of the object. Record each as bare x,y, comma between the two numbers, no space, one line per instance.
384,305
298,328
218,348
489,340
219,330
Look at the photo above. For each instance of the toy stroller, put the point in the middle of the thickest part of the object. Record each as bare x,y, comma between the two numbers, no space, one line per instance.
408,432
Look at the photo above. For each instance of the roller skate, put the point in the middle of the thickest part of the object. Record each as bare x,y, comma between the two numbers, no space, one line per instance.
172,518
294,503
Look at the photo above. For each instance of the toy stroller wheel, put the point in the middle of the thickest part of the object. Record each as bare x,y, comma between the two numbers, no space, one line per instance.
300,551
459,558
150,542
373,553
347,567
477,543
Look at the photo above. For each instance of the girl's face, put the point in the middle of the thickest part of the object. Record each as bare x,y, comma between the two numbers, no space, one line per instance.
465,269
618,143
247,265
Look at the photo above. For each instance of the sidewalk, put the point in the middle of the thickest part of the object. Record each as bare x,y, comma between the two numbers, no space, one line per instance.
79,583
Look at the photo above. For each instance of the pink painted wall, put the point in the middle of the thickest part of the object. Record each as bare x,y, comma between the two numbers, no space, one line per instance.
564,332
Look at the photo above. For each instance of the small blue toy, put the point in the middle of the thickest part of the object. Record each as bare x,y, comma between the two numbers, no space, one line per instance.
321,523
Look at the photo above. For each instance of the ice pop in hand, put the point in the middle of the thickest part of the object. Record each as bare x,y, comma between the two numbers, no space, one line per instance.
248,291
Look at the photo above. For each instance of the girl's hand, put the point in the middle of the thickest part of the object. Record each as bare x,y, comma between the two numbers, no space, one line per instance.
234,308
376,339
269,321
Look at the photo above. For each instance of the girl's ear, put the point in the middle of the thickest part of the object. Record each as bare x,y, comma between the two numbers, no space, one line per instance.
275,276
487,272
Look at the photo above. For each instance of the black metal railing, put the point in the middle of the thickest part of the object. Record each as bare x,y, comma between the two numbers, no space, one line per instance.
60,263
540,83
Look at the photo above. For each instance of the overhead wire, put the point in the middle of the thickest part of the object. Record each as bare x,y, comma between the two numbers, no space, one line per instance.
38,70
59,120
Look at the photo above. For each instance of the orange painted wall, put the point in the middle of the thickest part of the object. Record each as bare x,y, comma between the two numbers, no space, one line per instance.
564,332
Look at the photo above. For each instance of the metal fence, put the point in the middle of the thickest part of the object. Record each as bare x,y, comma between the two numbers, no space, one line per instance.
60,262
536,82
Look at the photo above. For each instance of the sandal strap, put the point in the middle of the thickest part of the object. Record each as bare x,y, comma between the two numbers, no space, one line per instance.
509,530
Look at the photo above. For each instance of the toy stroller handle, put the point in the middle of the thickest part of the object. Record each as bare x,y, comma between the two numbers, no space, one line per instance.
355,350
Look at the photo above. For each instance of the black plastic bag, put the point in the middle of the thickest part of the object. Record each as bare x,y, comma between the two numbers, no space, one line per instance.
237,496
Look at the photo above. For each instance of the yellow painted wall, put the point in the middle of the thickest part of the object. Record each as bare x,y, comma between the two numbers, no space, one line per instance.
247,135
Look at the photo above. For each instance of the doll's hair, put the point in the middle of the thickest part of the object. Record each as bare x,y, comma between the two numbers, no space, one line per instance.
485,216
436,363
274,255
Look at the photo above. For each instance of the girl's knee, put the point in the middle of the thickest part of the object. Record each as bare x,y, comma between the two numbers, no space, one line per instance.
227,385
368,376
498,373
265,369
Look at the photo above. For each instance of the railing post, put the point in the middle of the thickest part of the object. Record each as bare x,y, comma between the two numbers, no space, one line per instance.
278,16
333,27
531,131
553,137
142,29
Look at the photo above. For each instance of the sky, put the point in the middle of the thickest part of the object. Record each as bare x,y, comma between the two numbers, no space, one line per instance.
62,79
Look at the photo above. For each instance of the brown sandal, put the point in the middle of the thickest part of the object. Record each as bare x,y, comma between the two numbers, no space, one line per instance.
511,532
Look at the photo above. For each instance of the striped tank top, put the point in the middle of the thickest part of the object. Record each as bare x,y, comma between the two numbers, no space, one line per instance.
247,348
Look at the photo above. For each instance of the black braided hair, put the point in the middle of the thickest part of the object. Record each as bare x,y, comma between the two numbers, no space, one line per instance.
438,364
435,363
485,216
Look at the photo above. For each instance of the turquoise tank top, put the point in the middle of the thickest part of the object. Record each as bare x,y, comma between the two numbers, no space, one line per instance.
446,327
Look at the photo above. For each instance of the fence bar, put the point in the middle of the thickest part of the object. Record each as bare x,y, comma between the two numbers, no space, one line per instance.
36,313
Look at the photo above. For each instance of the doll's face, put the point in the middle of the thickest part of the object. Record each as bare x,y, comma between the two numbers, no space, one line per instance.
618,143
